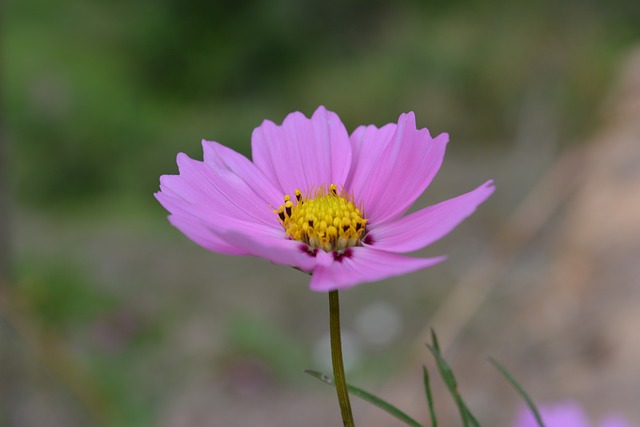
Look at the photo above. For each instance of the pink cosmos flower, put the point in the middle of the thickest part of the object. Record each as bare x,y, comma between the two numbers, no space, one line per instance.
565,414
318,199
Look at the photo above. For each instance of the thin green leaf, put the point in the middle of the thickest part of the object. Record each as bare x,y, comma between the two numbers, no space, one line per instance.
520,390
374,400
434,340
447,375
427,389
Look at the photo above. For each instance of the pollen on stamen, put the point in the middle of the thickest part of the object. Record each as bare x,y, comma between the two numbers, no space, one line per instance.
325,218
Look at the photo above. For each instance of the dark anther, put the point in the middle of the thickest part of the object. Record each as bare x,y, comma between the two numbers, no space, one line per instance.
340,256
345,228
281,215
309,251
288,209
310,223
358,226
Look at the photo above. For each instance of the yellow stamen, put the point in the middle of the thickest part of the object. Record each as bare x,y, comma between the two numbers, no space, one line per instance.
325,219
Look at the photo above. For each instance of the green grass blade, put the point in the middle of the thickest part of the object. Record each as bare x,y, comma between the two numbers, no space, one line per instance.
434,340
468,420
366,396
520,390
427,390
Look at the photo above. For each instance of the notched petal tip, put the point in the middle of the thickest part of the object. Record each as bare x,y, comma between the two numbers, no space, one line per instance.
297,117
185,163
441,138
489,187
328,116
264,127
182,157
209,146
158,195
321,114
409,116
408,122
321,110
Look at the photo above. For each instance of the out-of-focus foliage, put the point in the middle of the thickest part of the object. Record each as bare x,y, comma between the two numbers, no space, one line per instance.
61,294
100,94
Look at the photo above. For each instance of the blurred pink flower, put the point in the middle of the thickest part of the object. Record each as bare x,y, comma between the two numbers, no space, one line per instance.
565,414
318,199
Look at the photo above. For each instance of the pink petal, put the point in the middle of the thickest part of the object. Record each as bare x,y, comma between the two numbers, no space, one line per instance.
220,157
360,265
213,193
202,235
303,153
215,221
566,414
421,228
367,144
392,170
278,250
224,193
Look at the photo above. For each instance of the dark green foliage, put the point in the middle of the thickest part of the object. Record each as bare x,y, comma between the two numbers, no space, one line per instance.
468,420
99,96
428,394
60,294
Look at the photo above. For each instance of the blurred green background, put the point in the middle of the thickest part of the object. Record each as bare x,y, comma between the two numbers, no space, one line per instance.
99,93
99,96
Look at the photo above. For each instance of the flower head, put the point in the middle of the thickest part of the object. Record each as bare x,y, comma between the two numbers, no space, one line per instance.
565,414
318,199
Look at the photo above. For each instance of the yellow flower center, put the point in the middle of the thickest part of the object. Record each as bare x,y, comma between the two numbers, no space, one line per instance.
324,219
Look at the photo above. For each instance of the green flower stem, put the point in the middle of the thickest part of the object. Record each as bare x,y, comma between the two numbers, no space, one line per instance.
336,359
